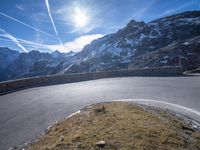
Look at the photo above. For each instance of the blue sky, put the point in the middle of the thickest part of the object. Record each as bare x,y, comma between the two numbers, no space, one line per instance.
67,25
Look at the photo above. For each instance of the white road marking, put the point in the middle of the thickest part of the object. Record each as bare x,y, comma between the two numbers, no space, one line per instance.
165,103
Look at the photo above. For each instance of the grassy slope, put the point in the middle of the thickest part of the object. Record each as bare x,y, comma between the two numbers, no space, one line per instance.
121,125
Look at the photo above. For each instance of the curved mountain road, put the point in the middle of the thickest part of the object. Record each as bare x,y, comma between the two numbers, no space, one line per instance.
25,114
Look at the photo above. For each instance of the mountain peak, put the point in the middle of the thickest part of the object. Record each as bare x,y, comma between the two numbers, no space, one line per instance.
56,51
133,23
6,49
57,54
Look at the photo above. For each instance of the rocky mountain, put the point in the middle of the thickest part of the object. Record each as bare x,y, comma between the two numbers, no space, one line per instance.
172,40
168,41
6,57
57,54
185,53
33,63
25,62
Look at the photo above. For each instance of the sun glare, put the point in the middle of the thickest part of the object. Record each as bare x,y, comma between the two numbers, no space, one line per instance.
80,18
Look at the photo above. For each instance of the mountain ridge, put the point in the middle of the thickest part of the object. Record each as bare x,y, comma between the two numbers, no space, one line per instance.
168,41
136,39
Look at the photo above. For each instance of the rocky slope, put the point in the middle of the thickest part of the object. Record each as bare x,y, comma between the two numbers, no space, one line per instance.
6,57
172,40
185,53
168,41
33,63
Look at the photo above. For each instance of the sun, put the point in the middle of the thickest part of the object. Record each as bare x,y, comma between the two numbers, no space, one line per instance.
80,17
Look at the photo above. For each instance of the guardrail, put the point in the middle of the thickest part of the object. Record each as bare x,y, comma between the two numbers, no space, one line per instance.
19,84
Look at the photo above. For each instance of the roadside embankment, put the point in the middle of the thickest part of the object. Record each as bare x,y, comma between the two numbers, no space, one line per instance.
120,125
9,86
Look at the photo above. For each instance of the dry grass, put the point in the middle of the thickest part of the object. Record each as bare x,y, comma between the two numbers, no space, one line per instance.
121,125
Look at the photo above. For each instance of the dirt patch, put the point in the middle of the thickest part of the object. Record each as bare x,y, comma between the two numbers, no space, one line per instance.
120,125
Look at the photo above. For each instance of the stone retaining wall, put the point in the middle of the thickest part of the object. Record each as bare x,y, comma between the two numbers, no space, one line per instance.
14,85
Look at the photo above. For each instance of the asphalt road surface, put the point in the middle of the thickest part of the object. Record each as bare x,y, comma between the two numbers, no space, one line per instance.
26,114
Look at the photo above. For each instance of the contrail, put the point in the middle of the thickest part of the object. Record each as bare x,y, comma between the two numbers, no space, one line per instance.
32,44
27,43
13,39
49,12
27,25
24,41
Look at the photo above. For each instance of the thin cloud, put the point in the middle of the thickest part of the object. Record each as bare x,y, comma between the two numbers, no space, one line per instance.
13,39
177,9
27,25
140,13
49,12
28,43
77,44
20,7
